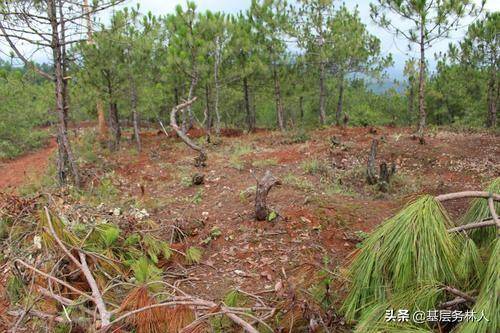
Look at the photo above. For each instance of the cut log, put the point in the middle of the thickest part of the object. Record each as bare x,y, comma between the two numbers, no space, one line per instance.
371,175
200,161
263,188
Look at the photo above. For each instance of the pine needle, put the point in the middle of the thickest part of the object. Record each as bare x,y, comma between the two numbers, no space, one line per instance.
488,300
413,248
470,267
479,211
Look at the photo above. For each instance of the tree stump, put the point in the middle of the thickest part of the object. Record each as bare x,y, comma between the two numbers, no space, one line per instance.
371,174
263,188
198,179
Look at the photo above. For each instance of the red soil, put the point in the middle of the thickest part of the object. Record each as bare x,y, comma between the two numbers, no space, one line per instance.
15,173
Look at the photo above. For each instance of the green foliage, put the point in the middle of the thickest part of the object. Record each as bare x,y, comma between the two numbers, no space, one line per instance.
234,299
193,255
316,167
272,216
470,267
154,248
488,300
265,163
295,137
106,191
4,228
479,211
24,107
145,271
298,182
410,249
14,288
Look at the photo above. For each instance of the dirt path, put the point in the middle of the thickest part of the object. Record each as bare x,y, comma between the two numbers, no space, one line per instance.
14,173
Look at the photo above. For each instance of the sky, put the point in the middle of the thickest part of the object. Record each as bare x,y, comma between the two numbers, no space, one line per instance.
390,44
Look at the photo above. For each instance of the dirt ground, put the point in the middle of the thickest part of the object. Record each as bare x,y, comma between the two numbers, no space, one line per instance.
14,173
323,205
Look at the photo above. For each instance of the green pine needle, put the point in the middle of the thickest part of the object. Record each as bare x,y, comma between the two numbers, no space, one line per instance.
413,248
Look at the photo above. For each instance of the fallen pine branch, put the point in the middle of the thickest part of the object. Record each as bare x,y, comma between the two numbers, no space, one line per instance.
460,293
470,226
468,194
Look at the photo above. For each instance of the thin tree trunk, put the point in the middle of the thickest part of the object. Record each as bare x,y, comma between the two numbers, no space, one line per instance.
250,115
187,114
135,115
492,100
421,87
217,86
113,119
322,94
114,124
66,158
340,103
101,117
277,95
208,116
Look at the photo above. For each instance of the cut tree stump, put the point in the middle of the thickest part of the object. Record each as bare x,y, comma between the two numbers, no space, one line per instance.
198,179
384,177
371,174
263,188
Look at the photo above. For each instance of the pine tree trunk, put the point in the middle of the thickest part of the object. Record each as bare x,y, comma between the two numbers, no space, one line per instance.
250,115
322,95
101,121
421,88
217,87
66,161
114,125
135,115
277,94
340,103
187,114
208,115
492,99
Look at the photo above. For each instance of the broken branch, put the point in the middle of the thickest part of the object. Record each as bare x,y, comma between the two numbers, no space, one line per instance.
200,161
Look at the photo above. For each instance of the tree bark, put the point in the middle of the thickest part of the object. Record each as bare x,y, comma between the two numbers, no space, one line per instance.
66,159
208,115
322,94
371,176
492,99
201,159
277,94
263,188
135,115
114,124
340,103
250,115
187,114
217,86
421,87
